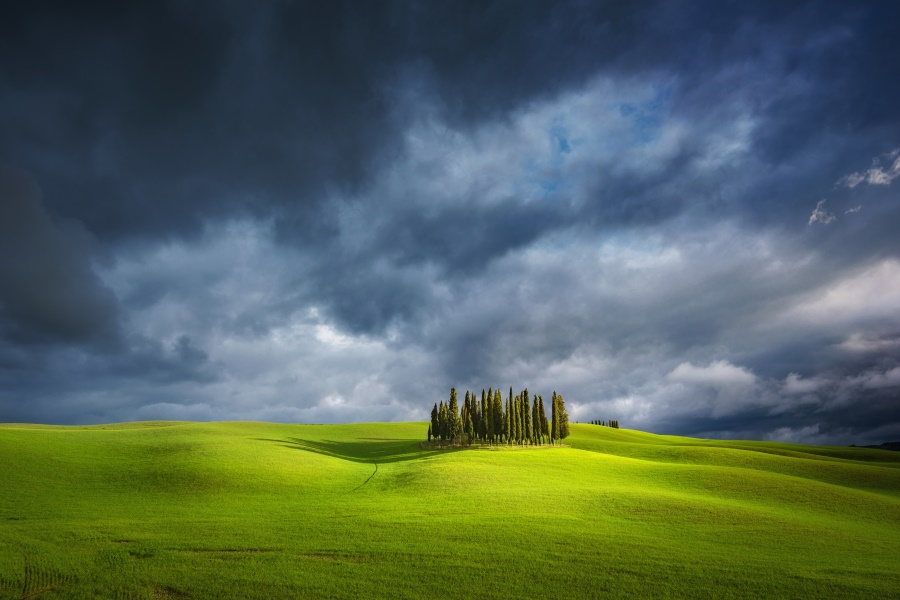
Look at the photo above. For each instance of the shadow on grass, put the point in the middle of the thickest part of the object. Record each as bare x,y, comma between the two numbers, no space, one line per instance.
366,450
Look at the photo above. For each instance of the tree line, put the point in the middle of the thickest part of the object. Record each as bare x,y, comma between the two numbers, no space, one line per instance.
521,420
614,423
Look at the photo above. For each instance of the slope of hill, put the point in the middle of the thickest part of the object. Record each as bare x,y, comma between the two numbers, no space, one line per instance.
259,510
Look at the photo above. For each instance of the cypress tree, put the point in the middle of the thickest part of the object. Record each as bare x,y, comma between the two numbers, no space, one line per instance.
520,437
482,418
513,425
453,414
523,418
429,432
563,417
507,422
554,426
464,413
434,420
526,417
520,408
515,420
498,416
542,415
443,418
536,422
487,407
469,428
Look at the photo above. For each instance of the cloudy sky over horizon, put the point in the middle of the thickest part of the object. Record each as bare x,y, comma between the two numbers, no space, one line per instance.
681,215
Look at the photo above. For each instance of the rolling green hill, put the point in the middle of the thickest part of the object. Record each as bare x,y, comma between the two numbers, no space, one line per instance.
259,510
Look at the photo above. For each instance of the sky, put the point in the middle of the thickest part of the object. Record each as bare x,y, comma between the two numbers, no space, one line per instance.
681,215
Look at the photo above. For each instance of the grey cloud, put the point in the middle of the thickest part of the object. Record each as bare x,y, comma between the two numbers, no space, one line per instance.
49,291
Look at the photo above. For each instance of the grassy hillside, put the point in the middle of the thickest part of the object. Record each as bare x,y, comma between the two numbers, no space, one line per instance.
259,510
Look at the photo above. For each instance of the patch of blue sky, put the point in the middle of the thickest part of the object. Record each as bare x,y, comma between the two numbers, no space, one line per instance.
560,135
541,180
543,177
647,117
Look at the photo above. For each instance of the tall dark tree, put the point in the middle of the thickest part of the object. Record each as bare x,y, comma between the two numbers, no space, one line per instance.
435,430
464,413
507,421
535,423
453,424
542,415
498,416
429,432
526,418
519,419
512,420
443,421
487,418
563,417
554,422
469,428
482,422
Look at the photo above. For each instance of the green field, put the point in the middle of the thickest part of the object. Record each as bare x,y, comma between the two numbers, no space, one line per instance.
260,510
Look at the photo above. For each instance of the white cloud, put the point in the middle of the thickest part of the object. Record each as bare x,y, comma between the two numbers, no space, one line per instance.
871,293
717,373
876,380
859,343
853,210
795,384
877,175
820,215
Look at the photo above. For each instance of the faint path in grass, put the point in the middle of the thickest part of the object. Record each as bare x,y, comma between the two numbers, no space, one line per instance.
375,472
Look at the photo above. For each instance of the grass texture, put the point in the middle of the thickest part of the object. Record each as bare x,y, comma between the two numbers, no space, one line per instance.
261,510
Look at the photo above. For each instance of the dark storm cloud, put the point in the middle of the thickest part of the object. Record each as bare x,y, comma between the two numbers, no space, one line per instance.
164,115
335,211
48,289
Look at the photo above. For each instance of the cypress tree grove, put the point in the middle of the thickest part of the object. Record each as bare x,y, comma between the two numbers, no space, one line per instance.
521,420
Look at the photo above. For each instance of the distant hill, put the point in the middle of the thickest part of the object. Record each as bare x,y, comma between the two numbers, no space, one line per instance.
885,446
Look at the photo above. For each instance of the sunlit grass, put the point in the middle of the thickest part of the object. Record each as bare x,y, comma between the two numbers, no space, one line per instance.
259,510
